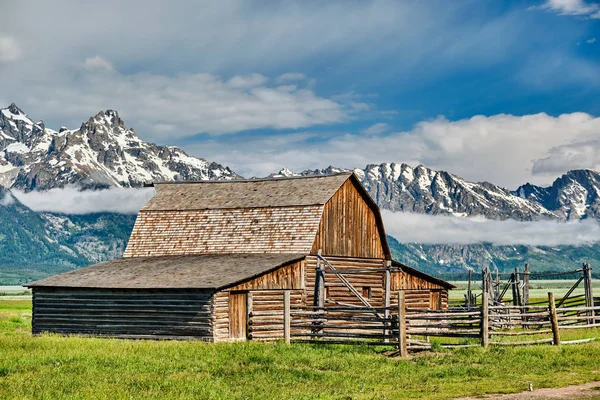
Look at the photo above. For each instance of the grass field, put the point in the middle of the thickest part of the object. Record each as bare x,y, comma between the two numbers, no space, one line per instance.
55,367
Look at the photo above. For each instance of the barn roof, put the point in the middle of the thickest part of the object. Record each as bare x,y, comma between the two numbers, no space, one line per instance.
206,271
274,192
422,275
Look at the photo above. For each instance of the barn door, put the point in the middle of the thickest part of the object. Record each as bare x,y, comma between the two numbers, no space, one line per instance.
435,300
237,315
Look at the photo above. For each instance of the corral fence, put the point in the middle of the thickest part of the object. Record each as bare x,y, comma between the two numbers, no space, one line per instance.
412,329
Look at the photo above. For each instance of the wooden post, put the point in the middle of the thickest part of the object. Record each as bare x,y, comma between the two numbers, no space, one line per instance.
497,294
469,290
526,285
589,295
286,316
402,346
514,289
518,288
249,316
321,275
554,319
485,319
388,286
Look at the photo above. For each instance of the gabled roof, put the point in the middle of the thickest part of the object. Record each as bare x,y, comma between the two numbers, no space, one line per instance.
422,275
206,271
257,193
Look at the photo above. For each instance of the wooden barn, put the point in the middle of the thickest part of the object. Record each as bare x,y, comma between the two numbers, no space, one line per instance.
204,256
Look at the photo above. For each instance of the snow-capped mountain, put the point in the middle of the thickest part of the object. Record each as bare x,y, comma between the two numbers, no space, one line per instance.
102,153
575,195
400,187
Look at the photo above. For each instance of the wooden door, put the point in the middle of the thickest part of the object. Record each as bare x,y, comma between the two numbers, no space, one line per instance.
237,315
435,300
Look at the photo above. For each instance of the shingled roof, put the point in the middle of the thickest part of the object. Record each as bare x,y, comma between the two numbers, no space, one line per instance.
278,215
206,271
276,192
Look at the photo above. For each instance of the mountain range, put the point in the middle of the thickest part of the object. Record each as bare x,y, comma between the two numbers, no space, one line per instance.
104,153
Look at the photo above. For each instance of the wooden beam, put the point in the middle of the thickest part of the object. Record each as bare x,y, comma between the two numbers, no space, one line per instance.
402,340
286,316
485,320
554,319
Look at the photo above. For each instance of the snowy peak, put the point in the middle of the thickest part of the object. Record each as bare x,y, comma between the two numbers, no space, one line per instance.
574,195
103,152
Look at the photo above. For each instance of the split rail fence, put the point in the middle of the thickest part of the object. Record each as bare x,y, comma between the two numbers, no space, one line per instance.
412,329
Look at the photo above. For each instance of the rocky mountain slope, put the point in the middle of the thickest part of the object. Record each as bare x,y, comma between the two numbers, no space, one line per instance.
101,153
400,187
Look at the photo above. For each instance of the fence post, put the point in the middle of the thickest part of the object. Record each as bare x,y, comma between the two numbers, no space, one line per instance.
485,319
388,286
589,296
249,316
286,316
469,290
554,319
402,345
526,285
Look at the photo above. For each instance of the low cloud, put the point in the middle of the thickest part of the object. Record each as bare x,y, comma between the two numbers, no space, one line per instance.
71,200
10,51
428,229
7,200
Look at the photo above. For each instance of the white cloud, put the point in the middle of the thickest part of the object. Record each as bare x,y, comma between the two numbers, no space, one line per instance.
376,129
187,104
502,149
10,50
591,41
573,7
578,155
71,200
291,76
428,229
97,62
7,200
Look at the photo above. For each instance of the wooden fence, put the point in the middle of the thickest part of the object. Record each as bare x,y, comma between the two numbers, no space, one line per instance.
412,329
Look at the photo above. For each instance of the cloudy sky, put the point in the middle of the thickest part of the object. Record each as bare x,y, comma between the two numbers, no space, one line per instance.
504,91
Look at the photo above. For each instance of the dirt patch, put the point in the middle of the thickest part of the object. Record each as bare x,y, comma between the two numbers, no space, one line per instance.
585,391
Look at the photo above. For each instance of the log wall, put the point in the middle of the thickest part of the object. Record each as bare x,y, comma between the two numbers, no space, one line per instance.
288,277
349,227
124,313
266,315
336,291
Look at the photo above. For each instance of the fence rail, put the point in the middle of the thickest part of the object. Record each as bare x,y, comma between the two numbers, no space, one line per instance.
411,328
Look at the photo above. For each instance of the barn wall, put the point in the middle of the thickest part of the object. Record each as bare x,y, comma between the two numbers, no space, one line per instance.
348,226
337,291
256,230
402,281
266,316
288,277
124,313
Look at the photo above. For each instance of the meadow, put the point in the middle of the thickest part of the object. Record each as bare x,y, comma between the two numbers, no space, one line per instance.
57,367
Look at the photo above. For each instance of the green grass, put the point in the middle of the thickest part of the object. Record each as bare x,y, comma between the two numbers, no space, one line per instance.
56,367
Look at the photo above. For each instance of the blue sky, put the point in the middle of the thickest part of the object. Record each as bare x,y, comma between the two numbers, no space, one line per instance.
490,90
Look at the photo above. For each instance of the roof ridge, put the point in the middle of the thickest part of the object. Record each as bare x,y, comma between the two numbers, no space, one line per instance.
283,178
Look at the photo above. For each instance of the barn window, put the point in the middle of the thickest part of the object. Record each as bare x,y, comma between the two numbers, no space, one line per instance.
366,292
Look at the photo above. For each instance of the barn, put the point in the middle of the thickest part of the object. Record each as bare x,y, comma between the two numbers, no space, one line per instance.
204,256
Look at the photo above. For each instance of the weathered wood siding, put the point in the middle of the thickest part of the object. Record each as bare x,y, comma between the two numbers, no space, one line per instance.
287,277
425,299
334,288
251,230
405,281
349,226
266,313
124,313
